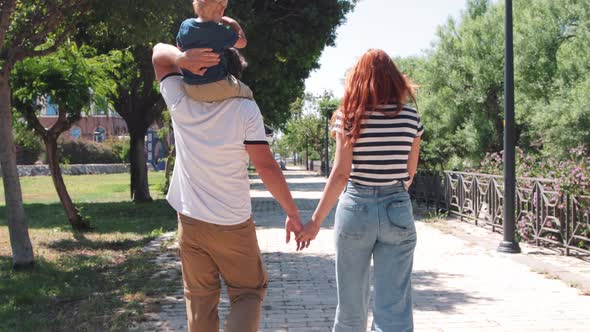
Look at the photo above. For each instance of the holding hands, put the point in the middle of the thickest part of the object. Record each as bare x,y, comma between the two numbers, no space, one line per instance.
292,225
308,234
304,234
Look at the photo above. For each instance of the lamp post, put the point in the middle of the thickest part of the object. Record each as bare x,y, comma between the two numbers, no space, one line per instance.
306,152
328,110
509,244
327,147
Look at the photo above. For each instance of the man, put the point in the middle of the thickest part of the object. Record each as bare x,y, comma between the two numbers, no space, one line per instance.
210,191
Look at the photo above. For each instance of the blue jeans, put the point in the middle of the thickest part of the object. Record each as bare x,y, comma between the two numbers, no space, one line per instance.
375,222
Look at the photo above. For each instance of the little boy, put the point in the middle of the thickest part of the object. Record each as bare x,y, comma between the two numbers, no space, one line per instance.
212,30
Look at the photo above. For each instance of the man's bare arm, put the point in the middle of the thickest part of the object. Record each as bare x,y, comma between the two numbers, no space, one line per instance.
168,59
272,177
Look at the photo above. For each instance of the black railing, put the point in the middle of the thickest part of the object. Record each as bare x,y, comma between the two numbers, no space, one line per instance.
543,216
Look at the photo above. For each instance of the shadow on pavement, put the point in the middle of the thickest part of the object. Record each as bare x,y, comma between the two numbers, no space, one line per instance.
308,281
429,294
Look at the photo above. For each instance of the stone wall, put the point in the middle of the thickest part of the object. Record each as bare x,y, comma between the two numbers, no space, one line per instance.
43,170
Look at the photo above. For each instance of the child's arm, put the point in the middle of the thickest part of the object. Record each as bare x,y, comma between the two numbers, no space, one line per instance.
235,26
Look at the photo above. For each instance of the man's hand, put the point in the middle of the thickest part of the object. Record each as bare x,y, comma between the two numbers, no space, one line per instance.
197,60
292,225
309,233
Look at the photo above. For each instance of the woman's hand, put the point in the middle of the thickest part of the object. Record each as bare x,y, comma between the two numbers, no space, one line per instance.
308,234
408,184
197,60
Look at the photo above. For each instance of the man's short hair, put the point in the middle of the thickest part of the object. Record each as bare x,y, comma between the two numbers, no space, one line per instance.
236,63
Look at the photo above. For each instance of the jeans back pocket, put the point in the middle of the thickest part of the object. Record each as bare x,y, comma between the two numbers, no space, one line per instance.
351,220
399,225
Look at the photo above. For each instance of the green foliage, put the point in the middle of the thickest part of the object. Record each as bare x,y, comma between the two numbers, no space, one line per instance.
73,77
87,152
120,148
285,42
281,146
461,82
565,122
306,130
29,146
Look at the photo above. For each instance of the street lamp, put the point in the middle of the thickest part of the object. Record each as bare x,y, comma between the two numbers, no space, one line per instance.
328,111
509,244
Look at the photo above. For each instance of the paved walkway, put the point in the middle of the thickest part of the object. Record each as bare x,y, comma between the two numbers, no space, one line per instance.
459,285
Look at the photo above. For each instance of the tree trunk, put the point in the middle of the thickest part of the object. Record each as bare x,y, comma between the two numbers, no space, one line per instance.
140,190
78,223
22,249
169,163
306,154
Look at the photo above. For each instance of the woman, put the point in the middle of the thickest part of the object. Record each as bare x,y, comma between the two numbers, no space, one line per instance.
377,148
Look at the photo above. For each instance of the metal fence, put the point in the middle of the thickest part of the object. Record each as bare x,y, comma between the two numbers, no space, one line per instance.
544,217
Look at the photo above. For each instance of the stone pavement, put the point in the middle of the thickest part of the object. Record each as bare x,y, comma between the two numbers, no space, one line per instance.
459,285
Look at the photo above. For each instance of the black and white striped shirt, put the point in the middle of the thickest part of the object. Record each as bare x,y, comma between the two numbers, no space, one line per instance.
380,154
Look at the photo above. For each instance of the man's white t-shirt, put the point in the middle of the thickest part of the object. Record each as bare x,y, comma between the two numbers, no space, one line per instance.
210,180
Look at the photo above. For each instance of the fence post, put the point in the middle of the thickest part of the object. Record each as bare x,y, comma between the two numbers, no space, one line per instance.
437,191
538,213
568,223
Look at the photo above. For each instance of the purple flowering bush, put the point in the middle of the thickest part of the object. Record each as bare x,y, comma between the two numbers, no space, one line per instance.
569,177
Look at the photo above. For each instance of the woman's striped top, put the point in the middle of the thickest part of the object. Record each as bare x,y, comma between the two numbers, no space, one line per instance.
380,154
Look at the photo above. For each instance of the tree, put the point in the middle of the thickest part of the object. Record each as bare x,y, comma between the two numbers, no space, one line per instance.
285,42
27,28
72,80
281,49
461,81
304,135
327,105
306,130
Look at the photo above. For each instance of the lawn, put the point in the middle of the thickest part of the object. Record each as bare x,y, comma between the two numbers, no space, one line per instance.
83,282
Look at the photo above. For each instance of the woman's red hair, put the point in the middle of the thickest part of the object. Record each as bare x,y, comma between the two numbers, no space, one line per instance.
374,80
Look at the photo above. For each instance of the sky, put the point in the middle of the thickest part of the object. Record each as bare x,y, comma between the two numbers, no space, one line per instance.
400,27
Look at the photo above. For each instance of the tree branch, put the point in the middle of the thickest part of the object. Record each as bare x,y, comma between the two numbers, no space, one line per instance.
7,10
58,126
29,40
30,115
19,53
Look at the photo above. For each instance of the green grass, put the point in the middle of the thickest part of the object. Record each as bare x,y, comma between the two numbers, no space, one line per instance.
83,188
83,282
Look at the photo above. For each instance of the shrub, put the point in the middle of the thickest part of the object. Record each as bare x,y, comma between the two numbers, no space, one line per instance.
121,148
571,174
86,152
28,154
28,146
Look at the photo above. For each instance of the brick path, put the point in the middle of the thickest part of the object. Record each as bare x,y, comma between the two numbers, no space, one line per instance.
458,285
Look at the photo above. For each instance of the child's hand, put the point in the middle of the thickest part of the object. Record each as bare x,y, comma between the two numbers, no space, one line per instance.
228,21
235,26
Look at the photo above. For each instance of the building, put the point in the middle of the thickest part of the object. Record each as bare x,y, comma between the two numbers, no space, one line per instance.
98,125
